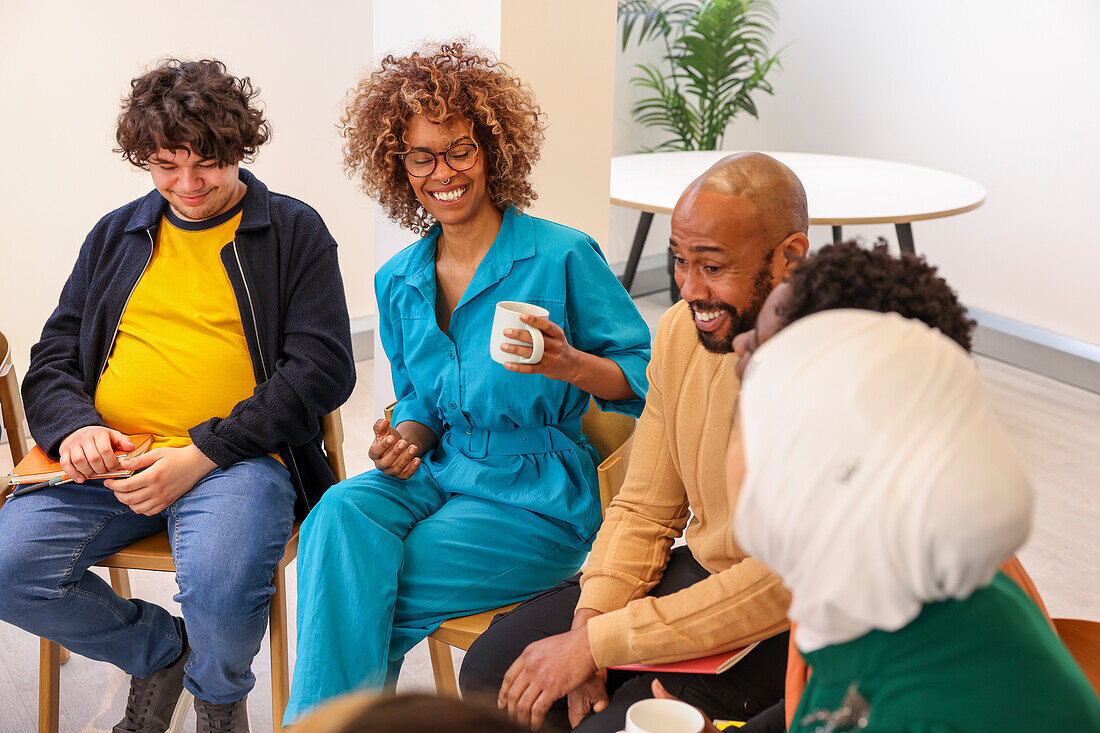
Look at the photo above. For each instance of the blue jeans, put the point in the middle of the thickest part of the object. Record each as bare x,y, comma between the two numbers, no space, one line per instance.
227,535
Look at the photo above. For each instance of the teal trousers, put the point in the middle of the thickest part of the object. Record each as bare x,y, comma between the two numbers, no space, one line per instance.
383,562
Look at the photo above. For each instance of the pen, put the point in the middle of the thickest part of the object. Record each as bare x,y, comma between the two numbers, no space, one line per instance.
35,487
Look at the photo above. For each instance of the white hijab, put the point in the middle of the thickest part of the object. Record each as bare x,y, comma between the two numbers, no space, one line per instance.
878,478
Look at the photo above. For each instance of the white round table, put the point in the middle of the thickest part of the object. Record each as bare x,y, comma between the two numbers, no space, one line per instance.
839,190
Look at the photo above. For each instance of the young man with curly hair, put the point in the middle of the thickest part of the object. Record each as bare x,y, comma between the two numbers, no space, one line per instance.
485,489
209,313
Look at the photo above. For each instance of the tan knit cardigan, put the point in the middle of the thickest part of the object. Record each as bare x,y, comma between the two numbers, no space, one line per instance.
677,473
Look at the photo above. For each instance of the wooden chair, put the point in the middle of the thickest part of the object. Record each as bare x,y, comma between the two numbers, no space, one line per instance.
11,410
1082,638
154,553
611,434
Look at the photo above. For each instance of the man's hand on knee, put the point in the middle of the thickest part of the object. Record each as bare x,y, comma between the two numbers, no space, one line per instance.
546,671
90,451
163,475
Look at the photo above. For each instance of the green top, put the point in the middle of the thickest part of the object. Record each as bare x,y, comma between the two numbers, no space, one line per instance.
987,663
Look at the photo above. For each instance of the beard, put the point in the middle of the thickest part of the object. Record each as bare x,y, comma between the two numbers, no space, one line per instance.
739,320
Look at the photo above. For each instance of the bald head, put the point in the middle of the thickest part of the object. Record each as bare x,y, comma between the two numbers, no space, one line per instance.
737,232
771,187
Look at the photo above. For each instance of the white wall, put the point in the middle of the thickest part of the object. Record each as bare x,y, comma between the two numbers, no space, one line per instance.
1001,91
565,50
64,67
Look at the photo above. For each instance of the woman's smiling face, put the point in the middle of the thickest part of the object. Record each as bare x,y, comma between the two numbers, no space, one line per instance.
451,197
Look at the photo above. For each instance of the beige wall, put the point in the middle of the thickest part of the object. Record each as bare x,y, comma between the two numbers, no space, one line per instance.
63,68
565,50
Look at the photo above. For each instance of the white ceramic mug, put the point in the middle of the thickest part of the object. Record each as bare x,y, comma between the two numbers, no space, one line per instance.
658,715
507,316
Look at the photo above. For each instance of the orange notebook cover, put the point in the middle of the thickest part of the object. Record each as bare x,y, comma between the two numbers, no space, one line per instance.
715,664
37,467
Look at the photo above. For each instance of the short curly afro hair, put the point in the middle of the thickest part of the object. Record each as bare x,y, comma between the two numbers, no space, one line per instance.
846,275
443,83
191,103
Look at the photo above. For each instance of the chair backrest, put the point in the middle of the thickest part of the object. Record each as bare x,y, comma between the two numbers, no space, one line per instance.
612,435
11,406
332,430
1082,638
606,430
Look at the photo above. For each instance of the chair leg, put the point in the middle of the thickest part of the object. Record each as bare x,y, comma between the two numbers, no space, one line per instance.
443,668
49,686
280,672
120,581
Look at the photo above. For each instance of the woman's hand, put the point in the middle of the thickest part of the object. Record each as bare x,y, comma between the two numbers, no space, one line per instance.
593,374
559,358
392,454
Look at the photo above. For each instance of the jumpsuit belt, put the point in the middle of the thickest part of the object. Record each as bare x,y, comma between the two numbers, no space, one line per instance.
480,442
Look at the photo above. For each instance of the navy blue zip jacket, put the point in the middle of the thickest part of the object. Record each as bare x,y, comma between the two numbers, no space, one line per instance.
284,273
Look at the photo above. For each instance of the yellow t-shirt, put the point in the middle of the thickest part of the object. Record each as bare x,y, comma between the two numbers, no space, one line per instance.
180,356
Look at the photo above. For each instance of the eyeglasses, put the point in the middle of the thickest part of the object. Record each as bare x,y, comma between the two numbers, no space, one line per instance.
422,163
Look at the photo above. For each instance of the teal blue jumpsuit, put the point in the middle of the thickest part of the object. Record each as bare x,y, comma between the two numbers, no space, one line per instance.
507,504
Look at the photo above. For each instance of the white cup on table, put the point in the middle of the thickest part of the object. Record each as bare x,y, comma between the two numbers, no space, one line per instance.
659,715
507,316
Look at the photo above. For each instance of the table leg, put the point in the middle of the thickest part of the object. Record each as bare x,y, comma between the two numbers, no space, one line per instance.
838,237
636,249
905,237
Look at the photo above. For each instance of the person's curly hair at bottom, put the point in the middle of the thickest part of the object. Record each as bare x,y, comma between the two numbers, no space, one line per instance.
408,713
846,275
443,83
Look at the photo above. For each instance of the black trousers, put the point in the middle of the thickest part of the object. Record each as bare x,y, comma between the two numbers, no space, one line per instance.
745,690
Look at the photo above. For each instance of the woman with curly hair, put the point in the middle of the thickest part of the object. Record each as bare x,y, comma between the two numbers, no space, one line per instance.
485,488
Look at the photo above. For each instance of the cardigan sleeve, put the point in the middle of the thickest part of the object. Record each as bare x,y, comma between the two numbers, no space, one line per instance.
731,608
632,547
727,610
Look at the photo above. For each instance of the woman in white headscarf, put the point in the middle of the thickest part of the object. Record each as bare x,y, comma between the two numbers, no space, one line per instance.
879,485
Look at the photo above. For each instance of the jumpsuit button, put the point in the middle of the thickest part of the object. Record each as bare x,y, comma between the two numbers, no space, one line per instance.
451,355
453,405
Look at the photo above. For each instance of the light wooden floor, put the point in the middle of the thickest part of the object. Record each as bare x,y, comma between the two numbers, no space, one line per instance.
1056,428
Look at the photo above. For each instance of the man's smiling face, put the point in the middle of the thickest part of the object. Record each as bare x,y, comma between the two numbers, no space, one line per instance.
723,263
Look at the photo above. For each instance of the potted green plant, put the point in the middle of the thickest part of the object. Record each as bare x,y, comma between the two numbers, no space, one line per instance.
716,55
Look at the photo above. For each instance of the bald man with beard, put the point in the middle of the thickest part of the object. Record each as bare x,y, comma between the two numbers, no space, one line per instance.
737,232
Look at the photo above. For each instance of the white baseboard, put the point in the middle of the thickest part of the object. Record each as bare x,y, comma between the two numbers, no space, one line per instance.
362,337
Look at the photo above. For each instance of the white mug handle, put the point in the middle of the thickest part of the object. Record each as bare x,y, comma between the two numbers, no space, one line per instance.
537,344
